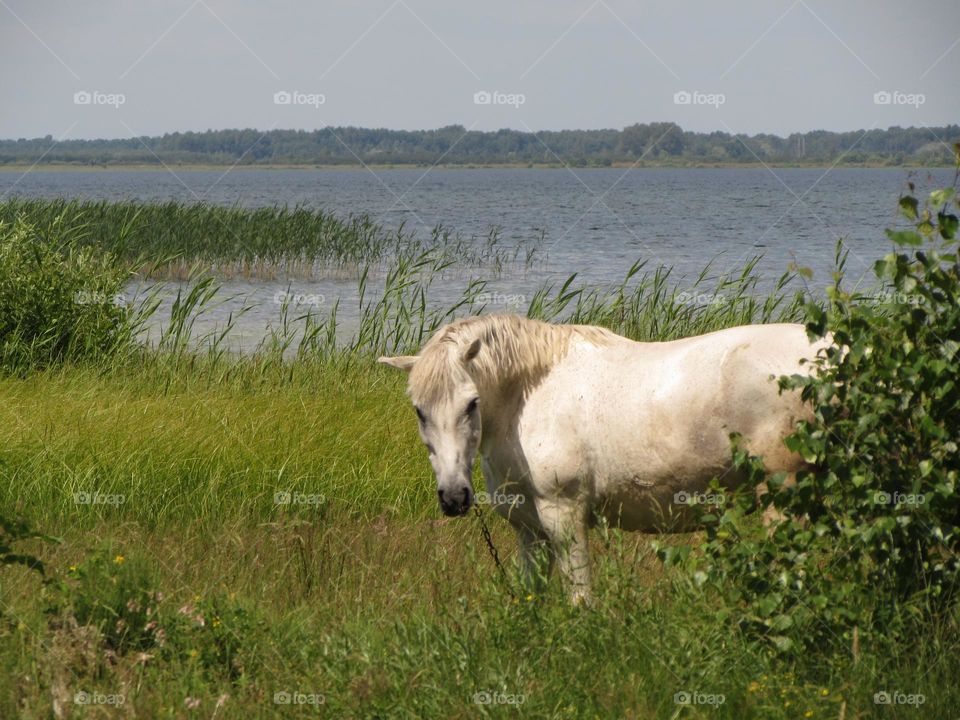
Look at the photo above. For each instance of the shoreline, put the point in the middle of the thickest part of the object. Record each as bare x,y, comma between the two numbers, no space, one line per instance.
209,167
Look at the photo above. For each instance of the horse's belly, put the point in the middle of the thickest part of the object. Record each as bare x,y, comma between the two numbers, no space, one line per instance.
647,503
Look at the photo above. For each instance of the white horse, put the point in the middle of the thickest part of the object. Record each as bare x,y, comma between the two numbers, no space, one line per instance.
574,422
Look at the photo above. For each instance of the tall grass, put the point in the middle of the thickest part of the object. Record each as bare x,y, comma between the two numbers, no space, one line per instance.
168,240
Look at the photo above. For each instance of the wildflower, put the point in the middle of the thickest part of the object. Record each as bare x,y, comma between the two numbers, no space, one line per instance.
824,692
118,560
529,598
808,714
73,568
215,622
191,703
193,653
753,687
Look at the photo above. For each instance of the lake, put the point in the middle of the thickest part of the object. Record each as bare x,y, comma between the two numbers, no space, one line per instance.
595,222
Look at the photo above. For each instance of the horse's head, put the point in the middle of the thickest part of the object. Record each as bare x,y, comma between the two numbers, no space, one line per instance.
445,398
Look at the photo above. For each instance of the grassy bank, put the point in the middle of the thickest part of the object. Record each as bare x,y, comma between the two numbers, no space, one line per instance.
355,592
258,536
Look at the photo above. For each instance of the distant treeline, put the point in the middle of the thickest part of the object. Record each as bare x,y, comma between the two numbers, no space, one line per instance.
655,143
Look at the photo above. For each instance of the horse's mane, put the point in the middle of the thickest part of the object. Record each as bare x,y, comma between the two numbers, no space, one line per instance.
513,348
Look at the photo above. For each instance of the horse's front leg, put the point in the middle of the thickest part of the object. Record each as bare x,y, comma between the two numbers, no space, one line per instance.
565,523
536,559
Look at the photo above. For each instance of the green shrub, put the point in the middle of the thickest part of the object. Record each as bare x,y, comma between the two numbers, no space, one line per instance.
58,301
871,533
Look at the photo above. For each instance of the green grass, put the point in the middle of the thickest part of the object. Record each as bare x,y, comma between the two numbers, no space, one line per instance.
168,240
368,597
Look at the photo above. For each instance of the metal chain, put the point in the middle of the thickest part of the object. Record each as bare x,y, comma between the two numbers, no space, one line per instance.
493,551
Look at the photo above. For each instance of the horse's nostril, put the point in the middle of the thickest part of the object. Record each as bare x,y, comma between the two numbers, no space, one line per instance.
440,495
466,494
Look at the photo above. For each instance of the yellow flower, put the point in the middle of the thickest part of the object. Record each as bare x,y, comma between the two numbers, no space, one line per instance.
753,686
73,568
193,653
529,598
824,692
119,559
216,622
808,713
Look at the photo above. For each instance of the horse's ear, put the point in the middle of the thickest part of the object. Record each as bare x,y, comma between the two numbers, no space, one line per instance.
471,352
400,362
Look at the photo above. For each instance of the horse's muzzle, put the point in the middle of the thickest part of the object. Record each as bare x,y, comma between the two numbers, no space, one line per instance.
455,503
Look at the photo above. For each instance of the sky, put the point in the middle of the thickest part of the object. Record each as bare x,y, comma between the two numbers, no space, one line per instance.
115,68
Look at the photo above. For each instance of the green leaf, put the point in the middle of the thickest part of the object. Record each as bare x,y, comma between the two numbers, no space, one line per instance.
941,197
949,224
908,207
904,237
782,643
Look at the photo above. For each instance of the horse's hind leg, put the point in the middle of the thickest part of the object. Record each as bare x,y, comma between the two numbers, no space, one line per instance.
536,559
565,524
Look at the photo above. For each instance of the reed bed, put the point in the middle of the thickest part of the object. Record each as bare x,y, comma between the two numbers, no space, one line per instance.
170,240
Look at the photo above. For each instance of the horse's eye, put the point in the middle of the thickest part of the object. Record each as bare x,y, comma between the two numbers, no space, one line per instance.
420,415
472,406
